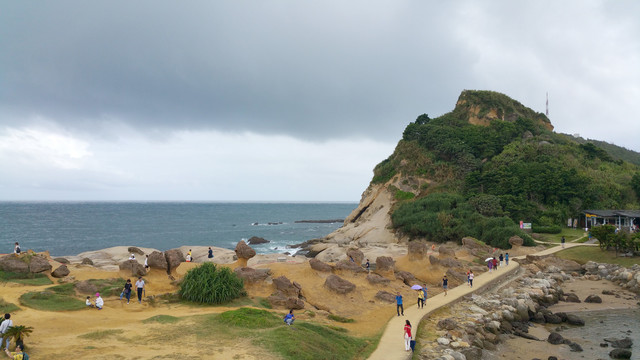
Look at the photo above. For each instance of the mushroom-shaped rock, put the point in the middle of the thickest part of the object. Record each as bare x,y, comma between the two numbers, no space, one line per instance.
319,265
516,241
417,250
135,250
174,258
157,260
385,264
255,240
356,255
11,263
60,272
39,264
135,267
252,275
593,299
244,252
87,261
339,285
85,287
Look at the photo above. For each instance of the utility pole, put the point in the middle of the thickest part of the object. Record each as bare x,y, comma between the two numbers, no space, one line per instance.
547,113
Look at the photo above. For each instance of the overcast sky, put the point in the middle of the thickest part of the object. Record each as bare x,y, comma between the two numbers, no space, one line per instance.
283,100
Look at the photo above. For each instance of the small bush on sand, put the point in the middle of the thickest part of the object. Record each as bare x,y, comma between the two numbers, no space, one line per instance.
209,285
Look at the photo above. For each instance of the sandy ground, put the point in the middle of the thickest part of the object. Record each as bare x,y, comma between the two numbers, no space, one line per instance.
523,349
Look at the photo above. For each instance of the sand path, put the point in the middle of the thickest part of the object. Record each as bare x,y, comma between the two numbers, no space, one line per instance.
391,345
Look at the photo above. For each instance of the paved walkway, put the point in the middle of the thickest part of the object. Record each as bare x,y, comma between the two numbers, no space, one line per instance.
391,345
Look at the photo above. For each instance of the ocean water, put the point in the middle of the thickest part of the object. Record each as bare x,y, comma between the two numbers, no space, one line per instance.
69,228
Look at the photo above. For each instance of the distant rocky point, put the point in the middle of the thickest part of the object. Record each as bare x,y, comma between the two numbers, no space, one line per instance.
319,221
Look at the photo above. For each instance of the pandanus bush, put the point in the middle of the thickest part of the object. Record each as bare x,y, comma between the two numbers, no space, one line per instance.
211,285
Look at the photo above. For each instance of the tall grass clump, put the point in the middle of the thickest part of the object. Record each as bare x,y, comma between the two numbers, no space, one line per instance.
207,284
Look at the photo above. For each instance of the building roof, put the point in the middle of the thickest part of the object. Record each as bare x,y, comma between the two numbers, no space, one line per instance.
614,213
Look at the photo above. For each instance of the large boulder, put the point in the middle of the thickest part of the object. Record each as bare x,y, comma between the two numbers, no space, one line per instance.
38,264
286,287
349,266
174,258
444,250
87,261
625,343
255,240
417,250
135,250
339,285
516,241
12,263
356,255
62,260
251,275
385,296
620,354
280,300
319,265
406,277
375,279
244,252
60,272
446,262
157,260
385,264
85,287
593,299
135,267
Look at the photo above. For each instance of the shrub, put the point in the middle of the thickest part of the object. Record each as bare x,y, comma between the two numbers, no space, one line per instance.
209,285
553,229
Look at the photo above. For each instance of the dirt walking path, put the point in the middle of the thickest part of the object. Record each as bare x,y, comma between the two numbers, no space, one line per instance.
391,345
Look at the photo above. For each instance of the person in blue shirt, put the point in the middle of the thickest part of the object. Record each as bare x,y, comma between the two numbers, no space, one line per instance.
289,318
399,306
210,256
506,258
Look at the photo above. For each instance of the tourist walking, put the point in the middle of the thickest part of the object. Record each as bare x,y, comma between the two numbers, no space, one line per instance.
562,241
146,262
407,335
6,324
420,299
445,284
471,278
490,265
127,290
506,258
99,301
289,318
424,291
468,279
495,264
140,288
501,258
399,307
210,256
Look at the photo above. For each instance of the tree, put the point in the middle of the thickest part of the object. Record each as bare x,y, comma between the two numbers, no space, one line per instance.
635,184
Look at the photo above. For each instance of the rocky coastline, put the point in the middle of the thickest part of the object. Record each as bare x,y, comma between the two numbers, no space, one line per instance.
474,328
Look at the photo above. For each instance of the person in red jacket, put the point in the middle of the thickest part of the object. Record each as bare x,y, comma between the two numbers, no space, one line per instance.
407,335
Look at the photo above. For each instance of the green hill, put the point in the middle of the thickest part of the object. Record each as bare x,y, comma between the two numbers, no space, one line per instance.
492,162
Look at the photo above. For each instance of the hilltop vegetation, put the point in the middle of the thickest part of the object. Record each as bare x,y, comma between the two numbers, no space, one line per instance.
496,162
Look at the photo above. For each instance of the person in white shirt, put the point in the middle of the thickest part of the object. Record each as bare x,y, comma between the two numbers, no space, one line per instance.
146,262
132,257
6,324
99,301
140,288
16,249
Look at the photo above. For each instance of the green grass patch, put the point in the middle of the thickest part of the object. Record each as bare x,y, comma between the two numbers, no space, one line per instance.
249,318
64,289
339,318
109,287
7,307
583,254
263,302
162,319
101,334
308,341
25,278
568,233
50,301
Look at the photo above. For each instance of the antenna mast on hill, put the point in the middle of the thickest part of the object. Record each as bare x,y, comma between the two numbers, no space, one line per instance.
547,113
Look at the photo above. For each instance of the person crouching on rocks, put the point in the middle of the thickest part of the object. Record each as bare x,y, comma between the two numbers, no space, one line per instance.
289,318
88,302
99,301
